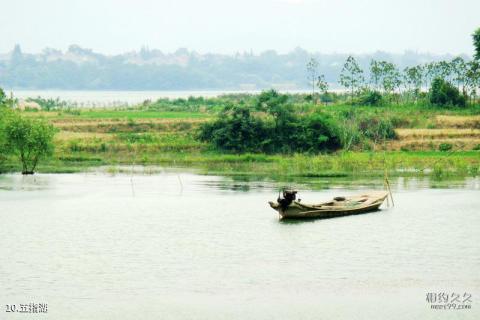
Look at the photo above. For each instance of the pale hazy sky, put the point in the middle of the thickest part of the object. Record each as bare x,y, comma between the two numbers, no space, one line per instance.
224,26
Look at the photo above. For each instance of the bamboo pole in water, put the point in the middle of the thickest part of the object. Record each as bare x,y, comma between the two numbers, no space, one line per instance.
386,182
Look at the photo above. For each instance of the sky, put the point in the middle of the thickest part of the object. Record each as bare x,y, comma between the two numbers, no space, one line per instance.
230,26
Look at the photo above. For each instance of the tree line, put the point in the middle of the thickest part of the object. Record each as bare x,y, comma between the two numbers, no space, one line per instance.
384,77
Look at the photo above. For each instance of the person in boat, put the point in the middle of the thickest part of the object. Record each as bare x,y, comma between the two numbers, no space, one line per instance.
288,197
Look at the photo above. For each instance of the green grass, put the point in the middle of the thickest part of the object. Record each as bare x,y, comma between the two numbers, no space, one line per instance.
173,144
438,165
401,115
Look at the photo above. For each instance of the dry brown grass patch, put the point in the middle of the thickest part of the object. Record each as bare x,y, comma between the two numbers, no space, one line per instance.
444,121
405,134
115,126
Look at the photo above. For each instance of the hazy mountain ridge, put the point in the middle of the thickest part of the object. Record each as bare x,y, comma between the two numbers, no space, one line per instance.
80,68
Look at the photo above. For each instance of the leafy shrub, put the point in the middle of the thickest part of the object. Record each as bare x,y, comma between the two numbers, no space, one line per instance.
315,133
443,93
271,99
238,131
445,146
328,97
377,129
371,98
308,98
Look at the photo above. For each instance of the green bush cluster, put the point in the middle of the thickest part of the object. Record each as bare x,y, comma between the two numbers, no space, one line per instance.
445,146
236,132
443,93
280,131
370,98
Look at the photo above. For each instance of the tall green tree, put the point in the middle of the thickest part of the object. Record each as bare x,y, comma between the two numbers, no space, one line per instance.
351,76
476,43
322,84
438,69
458,69
29,139
413,79
3,97
312,70
472,78
445,70
385,74
375,74
391,79
429,73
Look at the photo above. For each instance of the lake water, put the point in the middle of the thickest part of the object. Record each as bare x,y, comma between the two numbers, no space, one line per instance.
177,245
89,98
113,98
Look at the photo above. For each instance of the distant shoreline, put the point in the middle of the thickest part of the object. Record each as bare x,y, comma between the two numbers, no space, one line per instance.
128,97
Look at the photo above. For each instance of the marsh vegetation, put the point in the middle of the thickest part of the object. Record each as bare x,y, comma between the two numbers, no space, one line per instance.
424,119
413,139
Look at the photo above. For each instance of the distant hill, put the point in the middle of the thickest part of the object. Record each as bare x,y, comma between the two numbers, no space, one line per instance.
83,69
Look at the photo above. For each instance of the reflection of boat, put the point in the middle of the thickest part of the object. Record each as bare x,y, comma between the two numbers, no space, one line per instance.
288,208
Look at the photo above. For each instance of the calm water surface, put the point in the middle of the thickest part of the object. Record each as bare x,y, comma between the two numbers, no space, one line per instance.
187,246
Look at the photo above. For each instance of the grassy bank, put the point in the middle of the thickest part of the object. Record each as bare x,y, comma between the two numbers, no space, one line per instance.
436,164
441,142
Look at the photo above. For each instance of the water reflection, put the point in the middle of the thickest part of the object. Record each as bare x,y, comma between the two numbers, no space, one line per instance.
179,180
25,182
247,183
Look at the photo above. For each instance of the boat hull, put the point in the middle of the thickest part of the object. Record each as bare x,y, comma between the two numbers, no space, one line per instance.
332,209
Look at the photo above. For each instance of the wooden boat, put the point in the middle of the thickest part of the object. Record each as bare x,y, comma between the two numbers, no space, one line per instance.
289,208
